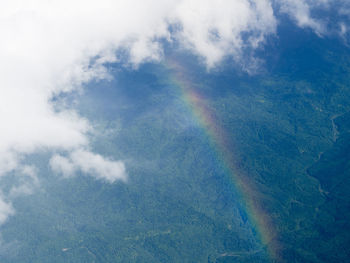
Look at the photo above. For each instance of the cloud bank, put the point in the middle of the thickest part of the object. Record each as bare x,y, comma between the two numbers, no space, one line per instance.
53,48
50,48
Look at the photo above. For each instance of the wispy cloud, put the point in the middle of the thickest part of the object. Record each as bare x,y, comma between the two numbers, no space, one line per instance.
6,210
300,11
89,163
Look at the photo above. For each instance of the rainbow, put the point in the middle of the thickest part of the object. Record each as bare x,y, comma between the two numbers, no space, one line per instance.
221,143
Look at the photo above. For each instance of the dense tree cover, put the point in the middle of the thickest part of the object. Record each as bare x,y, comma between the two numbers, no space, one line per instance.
289,124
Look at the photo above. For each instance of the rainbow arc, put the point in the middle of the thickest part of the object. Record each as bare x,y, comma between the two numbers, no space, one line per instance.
220,140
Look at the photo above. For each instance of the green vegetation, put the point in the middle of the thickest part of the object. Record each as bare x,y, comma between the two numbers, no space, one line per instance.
290,133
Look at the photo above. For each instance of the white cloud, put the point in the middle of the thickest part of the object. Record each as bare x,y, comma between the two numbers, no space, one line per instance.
52,47
343,29
89,163
62,165
324,17
300,11
6,210
28,181
214,29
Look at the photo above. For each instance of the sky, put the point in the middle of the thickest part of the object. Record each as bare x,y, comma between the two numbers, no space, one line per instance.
51,50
